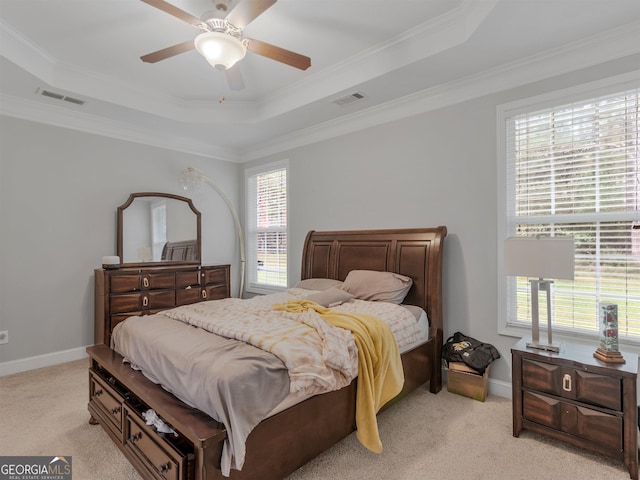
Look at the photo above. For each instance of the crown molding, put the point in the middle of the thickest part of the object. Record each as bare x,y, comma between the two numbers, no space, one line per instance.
611,45
72,119
446,31
598,49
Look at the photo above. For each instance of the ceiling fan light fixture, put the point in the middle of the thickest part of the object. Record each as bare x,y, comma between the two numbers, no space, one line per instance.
220,49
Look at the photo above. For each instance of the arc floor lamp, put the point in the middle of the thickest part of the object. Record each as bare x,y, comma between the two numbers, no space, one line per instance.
191,178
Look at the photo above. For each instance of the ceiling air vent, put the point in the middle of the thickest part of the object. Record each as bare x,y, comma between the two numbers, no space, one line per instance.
346,100
59,96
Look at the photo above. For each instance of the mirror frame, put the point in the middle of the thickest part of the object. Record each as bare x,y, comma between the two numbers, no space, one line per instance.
120,233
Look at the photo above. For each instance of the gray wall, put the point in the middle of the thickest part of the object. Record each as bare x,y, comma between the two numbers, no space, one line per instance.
437,168
59,190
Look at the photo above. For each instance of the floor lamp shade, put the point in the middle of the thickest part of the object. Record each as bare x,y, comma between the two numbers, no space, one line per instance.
543,258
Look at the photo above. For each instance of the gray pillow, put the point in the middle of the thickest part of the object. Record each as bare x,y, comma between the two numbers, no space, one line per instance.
377,286
318,283
331,297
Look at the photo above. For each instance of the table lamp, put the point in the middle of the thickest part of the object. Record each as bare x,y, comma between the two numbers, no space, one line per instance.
543,258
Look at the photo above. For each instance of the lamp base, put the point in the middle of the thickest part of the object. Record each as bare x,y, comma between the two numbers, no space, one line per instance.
541,346
608,356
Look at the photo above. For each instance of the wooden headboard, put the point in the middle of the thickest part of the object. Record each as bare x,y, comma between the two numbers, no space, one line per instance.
185,251
415,252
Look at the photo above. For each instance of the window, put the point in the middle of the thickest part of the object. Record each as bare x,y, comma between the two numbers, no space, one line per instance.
267,228
158,230
573,168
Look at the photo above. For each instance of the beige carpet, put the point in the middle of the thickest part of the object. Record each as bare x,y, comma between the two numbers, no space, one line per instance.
444,436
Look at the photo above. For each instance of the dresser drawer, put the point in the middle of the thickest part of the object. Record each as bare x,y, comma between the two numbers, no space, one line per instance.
125,283
126,303
583,422
187,296
215,293
188,278
159,456
573,383
107,401
158,281
161,300
214,276
151,300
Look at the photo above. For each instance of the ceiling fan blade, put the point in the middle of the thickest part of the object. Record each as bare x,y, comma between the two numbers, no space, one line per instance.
168,52
278,54
175,11
246,11
234,78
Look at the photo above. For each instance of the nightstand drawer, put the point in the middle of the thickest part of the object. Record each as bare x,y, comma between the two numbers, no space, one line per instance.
573,419
576,384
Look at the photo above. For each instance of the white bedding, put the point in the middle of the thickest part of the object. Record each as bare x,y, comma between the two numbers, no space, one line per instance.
423,327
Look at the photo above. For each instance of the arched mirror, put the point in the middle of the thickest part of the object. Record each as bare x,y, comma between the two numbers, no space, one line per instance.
158,228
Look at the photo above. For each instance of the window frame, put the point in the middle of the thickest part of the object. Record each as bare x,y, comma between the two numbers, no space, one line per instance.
252,286
504,112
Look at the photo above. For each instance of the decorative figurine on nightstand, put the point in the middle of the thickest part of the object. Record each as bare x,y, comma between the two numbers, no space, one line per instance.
608,350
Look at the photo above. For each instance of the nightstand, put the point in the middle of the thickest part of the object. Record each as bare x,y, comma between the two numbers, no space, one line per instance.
573,397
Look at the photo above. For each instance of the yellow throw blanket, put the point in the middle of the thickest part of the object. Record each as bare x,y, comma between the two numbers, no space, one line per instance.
380,374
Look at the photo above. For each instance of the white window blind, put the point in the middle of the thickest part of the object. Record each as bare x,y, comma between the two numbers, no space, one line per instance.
574,169
267,228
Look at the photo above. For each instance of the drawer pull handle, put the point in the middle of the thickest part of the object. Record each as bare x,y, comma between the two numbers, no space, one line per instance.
204,294
145,282
164,467
134,438
145,301
97,393
115,410
566,382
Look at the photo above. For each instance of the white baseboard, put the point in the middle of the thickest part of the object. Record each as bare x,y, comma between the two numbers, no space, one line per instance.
500,388
39,361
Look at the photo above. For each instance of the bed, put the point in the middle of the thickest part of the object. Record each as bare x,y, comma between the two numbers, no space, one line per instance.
281,443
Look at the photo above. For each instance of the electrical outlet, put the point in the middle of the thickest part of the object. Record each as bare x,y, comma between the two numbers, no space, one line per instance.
4,336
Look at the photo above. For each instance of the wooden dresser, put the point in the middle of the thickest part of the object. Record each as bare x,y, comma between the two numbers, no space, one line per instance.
123,292
573,397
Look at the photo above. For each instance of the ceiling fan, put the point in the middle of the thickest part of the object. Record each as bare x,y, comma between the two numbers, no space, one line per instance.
221,42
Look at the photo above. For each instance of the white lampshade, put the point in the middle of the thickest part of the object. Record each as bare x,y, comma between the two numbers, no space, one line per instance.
541,257
220,49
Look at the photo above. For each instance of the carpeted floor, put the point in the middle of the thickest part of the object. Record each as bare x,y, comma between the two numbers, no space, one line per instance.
443,436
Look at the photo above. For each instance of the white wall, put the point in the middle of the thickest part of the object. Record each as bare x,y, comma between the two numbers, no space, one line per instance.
59,190
437,168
